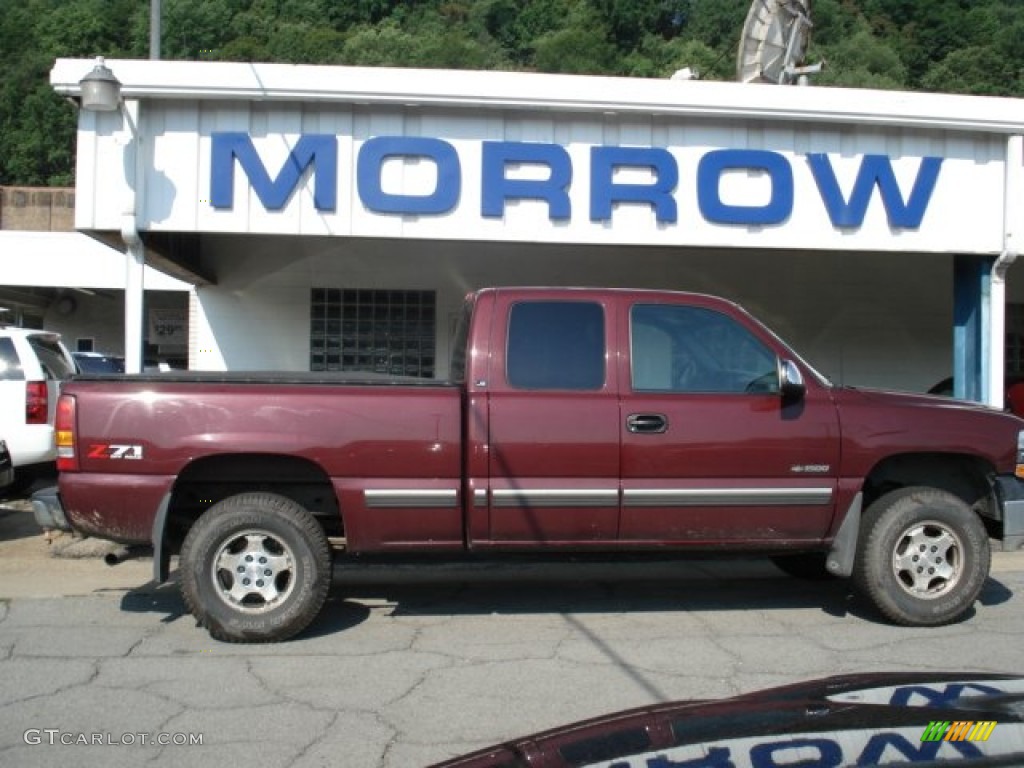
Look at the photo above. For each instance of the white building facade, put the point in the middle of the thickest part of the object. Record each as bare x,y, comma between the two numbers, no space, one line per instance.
334,217
78,286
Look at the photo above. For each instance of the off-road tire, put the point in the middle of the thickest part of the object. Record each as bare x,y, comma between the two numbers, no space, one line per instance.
255,568
922,556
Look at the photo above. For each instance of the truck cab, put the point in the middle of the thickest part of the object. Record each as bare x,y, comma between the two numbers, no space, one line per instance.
629,417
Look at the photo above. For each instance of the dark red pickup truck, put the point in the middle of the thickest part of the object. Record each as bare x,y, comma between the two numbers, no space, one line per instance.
575,420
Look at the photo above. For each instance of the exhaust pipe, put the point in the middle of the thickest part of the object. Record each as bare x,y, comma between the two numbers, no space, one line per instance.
133,552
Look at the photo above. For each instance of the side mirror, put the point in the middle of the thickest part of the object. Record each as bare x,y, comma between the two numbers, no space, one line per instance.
791,382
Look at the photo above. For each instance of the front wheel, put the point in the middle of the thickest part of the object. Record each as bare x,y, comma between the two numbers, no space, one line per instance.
255,568
923,556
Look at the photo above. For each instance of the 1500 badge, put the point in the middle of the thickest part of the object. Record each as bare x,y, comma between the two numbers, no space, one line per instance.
810,469
114,451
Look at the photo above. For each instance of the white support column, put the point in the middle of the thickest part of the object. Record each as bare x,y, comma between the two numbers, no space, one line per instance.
135,250
1013,199
134,300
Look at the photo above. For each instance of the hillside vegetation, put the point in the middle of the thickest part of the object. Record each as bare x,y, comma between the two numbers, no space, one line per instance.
958,46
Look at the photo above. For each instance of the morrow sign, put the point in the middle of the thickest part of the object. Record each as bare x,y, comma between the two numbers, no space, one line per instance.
905,207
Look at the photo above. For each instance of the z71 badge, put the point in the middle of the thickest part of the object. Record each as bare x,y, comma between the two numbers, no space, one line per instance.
114,451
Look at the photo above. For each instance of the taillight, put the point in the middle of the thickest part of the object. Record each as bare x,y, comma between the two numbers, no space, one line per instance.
67,459
37,402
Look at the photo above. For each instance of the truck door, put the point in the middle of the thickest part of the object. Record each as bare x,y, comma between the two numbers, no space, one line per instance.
710,450
553,454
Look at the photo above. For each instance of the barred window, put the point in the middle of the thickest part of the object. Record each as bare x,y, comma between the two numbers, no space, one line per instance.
379,331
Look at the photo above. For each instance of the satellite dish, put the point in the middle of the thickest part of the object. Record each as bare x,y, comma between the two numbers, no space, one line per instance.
774,41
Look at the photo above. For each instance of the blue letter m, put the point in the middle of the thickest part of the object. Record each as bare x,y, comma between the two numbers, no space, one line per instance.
875,170
312,149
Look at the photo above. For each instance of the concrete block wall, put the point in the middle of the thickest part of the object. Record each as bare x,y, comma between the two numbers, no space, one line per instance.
35,209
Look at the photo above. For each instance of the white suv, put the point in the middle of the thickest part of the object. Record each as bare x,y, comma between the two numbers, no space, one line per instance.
32,366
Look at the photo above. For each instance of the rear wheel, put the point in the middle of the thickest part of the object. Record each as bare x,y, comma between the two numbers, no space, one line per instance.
923,556
255,568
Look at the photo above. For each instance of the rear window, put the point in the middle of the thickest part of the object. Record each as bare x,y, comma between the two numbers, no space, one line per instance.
556,345
52,359
99,363
10,365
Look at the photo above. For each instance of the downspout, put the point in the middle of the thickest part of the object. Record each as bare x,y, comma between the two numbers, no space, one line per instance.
1012,211
135,249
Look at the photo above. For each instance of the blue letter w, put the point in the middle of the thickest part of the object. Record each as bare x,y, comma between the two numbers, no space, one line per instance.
319,150
875,170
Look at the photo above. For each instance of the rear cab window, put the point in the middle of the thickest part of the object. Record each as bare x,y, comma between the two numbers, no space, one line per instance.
556,345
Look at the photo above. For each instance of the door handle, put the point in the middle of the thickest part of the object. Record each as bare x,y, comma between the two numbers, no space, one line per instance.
647,423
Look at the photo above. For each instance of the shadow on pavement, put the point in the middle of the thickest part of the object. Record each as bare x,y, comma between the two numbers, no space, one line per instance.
631,596
337,615
994,592
155,598
17,522
350,604
165,599
834,598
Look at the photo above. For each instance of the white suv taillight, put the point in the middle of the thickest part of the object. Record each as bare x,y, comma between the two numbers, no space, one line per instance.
37,402
67,459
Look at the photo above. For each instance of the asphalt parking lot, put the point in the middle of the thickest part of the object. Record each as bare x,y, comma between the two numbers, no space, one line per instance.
404,669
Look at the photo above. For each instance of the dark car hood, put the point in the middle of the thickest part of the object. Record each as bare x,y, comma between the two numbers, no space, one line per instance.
895,719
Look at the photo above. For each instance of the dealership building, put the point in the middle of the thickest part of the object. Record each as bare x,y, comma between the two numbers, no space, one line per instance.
333,218
55,278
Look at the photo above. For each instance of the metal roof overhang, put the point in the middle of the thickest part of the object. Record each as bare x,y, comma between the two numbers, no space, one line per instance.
568,93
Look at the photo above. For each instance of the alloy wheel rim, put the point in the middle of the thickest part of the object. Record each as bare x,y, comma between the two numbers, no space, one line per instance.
253,571
927,560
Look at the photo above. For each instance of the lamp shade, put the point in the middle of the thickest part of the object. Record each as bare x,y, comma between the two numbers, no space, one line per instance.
101,91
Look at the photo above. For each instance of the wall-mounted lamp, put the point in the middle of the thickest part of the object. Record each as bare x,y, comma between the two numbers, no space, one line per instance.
101,91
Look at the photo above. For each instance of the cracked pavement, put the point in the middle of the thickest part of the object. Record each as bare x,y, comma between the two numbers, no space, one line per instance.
400,670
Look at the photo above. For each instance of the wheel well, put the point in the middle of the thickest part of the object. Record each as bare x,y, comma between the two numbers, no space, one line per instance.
207,481
963,476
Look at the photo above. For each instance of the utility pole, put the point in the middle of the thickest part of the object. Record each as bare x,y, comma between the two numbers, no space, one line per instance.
154,30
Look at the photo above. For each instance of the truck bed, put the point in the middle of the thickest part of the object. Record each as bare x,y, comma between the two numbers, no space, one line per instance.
336,441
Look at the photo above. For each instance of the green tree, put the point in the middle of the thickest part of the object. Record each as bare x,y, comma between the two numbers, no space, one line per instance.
716,23
658,58
192,29
631,20
975,70
861,61
387,44
298,43
37,129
